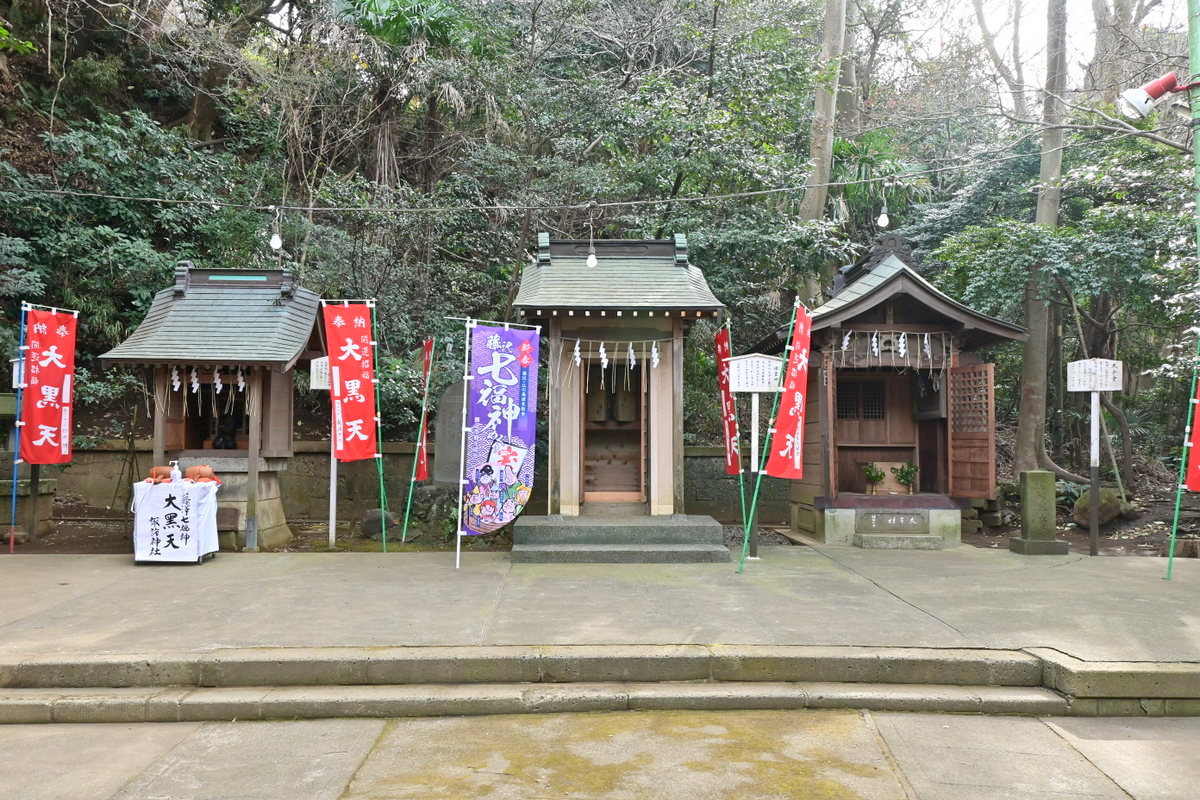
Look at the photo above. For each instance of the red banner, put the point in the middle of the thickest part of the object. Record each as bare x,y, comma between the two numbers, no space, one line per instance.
423,438
1192,476
733,458
787,441
351,380
48,386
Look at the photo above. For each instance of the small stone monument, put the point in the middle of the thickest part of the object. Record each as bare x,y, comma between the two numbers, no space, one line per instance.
1038,517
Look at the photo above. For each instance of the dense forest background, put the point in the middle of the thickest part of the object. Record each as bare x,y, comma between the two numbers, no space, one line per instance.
410,150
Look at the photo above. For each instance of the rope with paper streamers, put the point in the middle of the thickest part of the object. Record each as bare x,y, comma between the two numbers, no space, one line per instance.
597,351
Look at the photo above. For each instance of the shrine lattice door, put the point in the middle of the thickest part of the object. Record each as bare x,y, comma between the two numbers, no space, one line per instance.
972,426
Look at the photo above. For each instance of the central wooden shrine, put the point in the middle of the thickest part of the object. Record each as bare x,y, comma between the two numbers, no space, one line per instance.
894,378
614,336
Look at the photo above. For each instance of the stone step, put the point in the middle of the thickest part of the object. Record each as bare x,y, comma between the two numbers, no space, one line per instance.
299,666
425,700
681,529
898,541
592,553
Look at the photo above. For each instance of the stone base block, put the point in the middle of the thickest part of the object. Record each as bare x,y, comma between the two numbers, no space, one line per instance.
1037,547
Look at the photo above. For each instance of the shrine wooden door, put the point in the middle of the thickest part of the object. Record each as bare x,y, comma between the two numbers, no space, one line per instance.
972,426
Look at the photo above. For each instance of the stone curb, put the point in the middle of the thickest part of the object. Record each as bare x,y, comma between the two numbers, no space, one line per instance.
321,702
525,664
1135,680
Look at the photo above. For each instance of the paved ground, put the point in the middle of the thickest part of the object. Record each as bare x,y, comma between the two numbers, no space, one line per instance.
1115,609
751,755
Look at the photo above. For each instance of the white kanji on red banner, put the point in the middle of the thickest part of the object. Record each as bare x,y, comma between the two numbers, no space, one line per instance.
733,457
787,443
351,380
47,385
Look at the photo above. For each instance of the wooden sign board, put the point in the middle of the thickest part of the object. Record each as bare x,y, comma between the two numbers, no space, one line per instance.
1094,375
754,372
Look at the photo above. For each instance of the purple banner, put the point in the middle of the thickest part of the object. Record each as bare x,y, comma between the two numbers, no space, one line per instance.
501,427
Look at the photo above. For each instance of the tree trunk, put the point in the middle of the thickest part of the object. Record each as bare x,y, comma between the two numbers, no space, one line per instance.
1031,426
820,149
847,98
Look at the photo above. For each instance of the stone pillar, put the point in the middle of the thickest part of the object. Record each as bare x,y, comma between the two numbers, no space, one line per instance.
1038,517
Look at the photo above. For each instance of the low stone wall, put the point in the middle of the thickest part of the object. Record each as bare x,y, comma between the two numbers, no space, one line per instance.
98,474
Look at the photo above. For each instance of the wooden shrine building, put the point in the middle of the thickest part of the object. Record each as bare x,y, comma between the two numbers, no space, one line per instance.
614,334
893,379
221,345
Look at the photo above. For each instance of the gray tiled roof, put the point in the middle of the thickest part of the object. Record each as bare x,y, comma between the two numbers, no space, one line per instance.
660,279
223,317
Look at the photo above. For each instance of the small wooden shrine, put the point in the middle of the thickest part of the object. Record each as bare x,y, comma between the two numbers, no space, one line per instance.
221,345
894,379
613,333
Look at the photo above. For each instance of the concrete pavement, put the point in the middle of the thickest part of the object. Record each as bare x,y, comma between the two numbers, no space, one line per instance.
270,636
1094,609
670,755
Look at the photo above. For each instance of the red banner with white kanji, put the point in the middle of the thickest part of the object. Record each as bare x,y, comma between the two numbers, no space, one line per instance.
787,442
48,386
351,380
422,473
1191,480
733,458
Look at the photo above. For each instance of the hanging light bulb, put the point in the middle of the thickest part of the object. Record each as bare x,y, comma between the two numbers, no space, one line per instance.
276,241
591,256
884,220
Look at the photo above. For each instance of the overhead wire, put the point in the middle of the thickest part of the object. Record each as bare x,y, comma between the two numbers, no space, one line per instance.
586,206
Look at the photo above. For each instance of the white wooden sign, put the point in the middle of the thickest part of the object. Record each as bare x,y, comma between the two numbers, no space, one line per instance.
1094,375
318,376
754,372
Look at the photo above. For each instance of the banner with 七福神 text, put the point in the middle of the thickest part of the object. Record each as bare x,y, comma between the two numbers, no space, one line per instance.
501,427
422,473
1191,480
351,380
787,441
48,375
733,458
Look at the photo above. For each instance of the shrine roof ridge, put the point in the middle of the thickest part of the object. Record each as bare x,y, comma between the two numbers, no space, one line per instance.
630,274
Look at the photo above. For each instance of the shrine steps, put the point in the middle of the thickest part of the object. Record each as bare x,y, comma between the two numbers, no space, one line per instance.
314,683
619,538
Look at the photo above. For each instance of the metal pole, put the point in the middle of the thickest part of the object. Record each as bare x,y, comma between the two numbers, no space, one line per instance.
1094,506
332,490
462,450
21,365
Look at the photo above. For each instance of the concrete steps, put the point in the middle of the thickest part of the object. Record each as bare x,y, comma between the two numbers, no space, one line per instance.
310,683
435,700
618,539
590,553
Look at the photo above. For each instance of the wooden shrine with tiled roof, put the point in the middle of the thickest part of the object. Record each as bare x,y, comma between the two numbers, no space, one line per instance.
614,336
894,378
221,345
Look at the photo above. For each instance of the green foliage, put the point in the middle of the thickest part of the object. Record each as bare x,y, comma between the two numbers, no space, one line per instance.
11,44
106,256
906,473
872,473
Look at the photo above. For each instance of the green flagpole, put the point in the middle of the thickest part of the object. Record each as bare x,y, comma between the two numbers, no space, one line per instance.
420,436
769,438
1183,460
383,504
